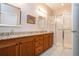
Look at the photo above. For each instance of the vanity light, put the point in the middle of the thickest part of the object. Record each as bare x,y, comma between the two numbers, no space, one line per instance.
41,12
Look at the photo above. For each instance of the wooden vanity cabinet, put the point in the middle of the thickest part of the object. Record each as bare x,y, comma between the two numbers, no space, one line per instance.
27,46
9,48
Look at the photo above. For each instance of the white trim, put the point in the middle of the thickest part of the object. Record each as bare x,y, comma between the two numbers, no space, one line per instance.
2,25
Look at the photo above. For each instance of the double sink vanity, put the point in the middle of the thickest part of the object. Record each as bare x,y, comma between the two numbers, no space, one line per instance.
26,45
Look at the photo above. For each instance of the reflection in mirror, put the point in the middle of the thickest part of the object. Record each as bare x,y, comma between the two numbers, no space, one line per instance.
41,22
9,14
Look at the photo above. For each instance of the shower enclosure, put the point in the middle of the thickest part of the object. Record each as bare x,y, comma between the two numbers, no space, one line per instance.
63,31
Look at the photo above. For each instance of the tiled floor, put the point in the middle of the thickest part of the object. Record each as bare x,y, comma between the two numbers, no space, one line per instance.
58,51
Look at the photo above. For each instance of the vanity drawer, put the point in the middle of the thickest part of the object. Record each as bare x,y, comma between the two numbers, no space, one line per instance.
30,43
38,38
38,50
38,43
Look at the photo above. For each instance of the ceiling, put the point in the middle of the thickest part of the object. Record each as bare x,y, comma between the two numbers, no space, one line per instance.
59,8
55,6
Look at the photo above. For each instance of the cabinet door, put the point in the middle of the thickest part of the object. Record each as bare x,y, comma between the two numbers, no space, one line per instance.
27,47
9,50
48,41
26,51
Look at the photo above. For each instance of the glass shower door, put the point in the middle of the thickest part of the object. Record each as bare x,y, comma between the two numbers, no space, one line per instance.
63,32
58,31
67,27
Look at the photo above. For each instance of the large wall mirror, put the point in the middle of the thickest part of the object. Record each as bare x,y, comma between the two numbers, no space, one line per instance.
9,15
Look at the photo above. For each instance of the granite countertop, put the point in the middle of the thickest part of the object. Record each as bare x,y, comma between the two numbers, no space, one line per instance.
7,35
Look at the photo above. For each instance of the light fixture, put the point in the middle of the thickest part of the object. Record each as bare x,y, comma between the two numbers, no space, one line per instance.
41,12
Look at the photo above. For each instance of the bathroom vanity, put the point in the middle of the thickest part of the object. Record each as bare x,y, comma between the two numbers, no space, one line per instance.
32,45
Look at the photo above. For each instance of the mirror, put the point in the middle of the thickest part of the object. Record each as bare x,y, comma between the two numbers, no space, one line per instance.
9,15
41,22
